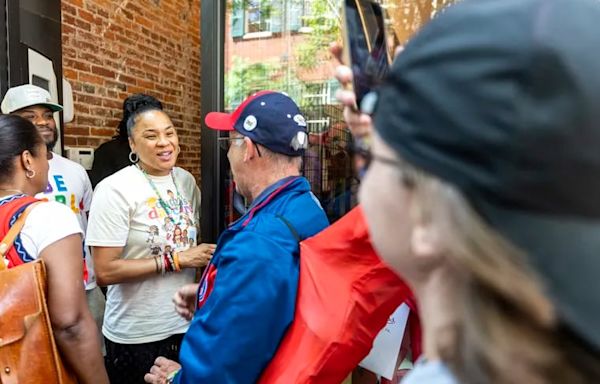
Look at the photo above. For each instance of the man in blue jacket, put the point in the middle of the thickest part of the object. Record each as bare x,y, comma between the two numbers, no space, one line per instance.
245,301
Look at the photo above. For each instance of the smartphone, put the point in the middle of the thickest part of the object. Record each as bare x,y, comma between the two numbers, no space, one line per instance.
365,46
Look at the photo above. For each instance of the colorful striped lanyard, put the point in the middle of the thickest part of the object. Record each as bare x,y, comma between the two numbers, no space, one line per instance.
163,204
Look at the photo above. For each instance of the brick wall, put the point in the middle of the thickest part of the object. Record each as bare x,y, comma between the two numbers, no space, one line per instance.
112,49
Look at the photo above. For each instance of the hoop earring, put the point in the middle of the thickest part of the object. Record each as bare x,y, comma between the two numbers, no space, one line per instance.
132,159
30,173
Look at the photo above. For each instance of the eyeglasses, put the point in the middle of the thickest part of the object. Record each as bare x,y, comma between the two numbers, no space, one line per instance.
408,177
225,143
386,160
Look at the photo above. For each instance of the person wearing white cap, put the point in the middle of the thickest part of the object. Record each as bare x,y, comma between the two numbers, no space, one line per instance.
68,182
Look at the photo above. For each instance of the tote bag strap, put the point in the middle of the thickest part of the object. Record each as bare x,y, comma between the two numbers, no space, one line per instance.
12,233
290,227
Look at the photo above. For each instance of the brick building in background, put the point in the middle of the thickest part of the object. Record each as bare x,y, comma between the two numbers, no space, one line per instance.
112,49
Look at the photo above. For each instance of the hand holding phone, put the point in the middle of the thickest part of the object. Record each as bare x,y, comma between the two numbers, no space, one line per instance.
365,48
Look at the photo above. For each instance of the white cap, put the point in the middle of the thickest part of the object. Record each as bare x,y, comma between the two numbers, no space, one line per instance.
25,96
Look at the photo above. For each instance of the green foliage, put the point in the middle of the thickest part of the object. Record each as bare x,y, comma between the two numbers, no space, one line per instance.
245,78
323,25
244,4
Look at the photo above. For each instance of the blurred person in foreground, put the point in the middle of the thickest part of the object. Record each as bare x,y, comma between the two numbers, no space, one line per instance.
53,234
113,155
138,220
483,189
246,299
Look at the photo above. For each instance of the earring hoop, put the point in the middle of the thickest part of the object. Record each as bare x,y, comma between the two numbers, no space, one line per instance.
132,159
30,173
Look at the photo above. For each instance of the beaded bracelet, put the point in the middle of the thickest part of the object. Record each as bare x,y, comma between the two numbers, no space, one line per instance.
156,263
172,261
162,265
176,261
167,263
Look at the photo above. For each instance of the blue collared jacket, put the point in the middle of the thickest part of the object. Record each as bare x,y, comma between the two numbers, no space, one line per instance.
247,296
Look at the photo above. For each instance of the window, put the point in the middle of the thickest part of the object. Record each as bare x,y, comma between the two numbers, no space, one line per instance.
268,49
306,11
262,18
320,93
258,18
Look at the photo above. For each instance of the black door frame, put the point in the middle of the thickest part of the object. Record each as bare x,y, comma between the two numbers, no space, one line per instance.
3,49
213,164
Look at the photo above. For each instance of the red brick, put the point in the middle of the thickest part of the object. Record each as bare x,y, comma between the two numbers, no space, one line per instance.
103,72
82,108
146,84
82,24
99,111
70,140
93,142
86,77
88,88
70,74
67,9
127,79
87,16
89,57
113,48
113,104
102,132
86,99
76,131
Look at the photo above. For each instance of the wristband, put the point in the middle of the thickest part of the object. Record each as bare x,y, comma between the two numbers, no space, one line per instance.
156,264
171,376
163,267
171,261
167,262
176,261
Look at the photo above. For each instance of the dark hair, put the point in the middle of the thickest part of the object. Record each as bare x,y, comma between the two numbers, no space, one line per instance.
132,104
133,117
17,135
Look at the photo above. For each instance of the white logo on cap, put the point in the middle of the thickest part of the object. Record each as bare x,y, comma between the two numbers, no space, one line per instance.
299,119
302,138
300,141
250,123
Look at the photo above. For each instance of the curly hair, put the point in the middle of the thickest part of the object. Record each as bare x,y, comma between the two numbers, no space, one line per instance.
132,104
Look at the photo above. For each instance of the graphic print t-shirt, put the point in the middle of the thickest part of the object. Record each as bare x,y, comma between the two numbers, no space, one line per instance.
69,184
126,212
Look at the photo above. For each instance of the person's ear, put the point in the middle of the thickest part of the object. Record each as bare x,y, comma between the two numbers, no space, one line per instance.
27,160
250,151
131,144
425,242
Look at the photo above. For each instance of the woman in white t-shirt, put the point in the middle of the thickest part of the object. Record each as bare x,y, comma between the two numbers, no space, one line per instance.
136,220
51,233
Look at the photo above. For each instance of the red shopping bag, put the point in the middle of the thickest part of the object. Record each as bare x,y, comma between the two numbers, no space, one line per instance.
345,296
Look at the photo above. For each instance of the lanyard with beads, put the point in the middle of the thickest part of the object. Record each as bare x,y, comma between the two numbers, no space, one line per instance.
163,203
